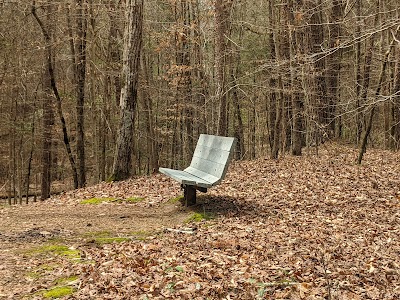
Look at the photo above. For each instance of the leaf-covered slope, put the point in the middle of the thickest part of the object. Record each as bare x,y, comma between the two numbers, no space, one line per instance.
316,227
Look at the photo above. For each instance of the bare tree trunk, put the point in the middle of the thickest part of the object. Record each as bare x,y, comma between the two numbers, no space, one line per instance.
30,158
149,119
234,70
203,92
47,137
184,84
13,151
81,82
279,130
131,66
359,122
272,94
395,126
278,121
222,13
240,151
283,59
333,66
296,47
48,115
112,89
319,92
50,70
363,147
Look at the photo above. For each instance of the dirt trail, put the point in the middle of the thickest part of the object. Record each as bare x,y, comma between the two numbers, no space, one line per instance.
27,227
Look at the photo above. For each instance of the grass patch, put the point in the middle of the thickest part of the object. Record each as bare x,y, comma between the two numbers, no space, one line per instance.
61,250
133,200
198,217
58,292
34,275
41,271
95,201
141,235
105,237
176,199
66,280
110,240
97,234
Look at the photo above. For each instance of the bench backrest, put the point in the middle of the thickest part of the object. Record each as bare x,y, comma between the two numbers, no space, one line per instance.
211,157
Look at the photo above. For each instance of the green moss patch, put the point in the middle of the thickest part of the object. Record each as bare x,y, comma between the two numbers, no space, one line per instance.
141,235
61,250
66,280
105,237
41,271
58,292
95,201
198,217
110,240
98,234
176,199
133,200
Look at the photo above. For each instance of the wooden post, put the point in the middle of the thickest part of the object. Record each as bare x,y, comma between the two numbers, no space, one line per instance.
189,193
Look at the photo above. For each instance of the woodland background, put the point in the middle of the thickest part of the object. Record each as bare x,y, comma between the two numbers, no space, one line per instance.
281,76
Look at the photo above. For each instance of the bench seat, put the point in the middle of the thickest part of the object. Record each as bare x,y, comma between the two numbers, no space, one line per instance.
208,166
186,178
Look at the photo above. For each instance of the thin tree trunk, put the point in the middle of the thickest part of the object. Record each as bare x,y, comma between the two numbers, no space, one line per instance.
81,83
184,84
149,120
333,66
30,158
278,121
319,92
359,122
395,127
239,134
295,43
202,94
363,147
272,94
50,70
47,137
47,105
222,13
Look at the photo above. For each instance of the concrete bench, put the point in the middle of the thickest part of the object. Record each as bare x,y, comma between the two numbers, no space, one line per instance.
208,167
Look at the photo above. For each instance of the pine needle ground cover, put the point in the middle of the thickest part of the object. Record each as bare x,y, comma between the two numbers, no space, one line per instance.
314,227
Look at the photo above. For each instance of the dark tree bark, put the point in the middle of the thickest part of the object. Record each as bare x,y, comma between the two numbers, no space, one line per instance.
359,122
272,94
30,158
333,64
81,83
222,13
317,98
296,47
239,132
395,126
282,51
47,105
50,70
152,148
131,65
363,147
202,94
184,86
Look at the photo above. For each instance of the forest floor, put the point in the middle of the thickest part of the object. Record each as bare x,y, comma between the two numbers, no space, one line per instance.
311,227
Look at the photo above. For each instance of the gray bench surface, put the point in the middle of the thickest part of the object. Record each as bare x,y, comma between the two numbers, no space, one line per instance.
209,163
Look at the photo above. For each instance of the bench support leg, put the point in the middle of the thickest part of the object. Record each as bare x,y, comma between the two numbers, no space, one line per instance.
189,193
